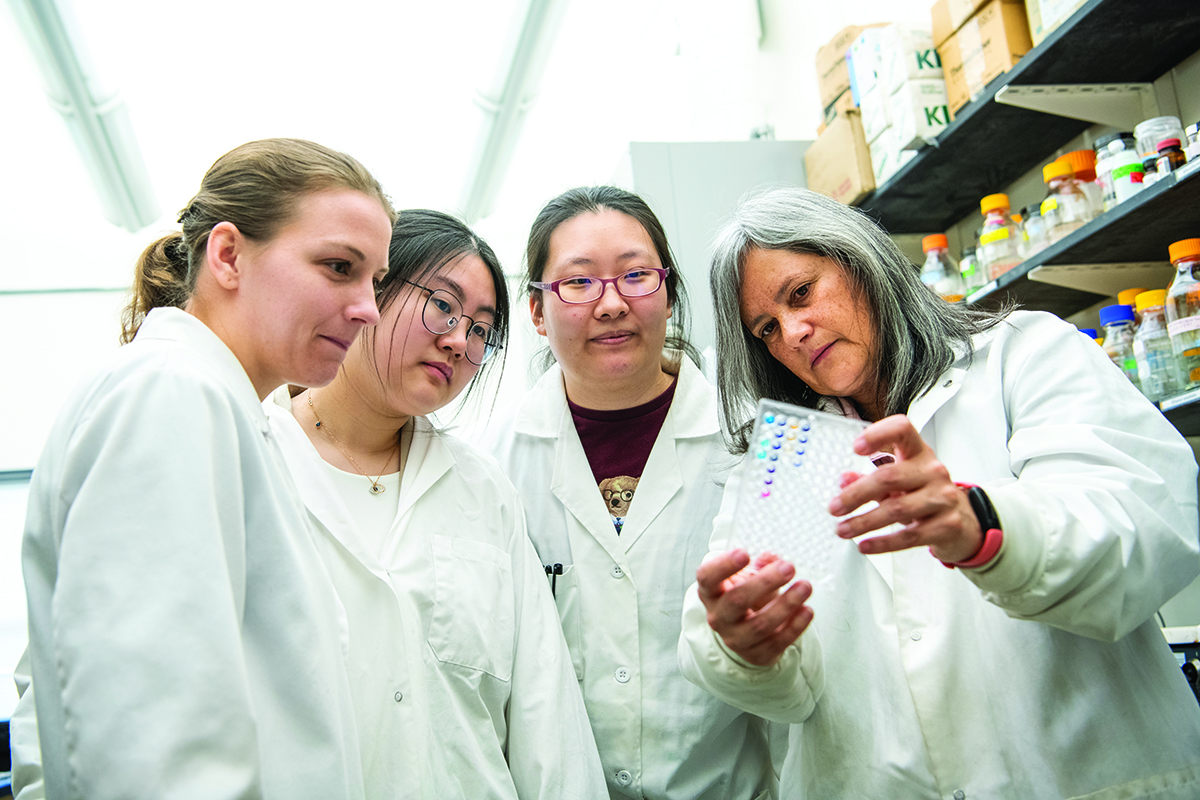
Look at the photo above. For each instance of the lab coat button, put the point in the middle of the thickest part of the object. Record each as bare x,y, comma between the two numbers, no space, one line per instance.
959,794
616,571
624,778
946,385
916,636
622,675
399,696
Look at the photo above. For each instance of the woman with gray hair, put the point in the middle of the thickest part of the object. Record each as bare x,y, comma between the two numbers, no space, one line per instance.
1033,666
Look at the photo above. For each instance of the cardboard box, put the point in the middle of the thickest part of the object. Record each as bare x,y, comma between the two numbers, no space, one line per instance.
919,112
843,103
887,158
987,45
838,163
863,61
947,16
832,75
876,117
907,54
1046,15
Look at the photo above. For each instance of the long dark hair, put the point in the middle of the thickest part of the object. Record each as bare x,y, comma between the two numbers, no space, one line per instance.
593,200
423,243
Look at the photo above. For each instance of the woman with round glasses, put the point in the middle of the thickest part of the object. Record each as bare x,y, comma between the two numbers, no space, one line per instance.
461,680
618,456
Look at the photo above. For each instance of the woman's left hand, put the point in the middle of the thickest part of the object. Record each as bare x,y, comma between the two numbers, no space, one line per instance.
915,490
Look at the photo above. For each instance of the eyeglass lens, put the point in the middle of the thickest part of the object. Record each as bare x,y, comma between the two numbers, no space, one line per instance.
635,283
443,312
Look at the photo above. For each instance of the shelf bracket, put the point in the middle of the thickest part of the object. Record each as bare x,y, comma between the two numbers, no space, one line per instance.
1122,105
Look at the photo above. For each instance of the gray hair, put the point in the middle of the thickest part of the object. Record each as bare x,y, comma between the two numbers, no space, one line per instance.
919,334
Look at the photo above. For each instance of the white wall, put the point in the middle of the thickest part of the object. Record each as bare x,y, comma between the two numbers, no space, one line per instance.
13,633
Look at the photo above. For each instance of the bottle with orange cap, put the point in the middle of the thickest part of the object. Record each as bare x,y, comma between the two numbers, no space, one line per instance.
940,273
1157,369
1128,297
1066,208
1083,164
1183,309
999,242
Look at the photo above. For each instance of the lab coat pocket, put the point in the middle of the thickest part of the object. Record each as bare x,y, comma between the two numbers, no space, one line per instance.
566,595
472,623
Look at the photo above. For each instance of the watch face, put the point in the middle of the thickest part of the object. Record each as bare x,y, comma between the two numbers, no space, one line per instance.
984,511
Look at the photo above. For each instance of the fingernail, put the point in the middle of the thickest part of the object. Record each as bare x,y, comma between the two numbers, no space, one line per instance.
843,529
836,507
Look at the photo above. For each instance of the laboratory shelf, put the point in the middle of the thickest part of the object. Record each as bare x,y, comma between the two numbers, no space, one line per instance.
989,144
1184,412
1138,230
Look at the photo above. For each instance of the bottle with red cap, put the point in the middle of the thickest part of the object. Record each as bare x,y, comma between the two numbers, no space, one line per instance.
1183,309
940,273
999,240
1170,157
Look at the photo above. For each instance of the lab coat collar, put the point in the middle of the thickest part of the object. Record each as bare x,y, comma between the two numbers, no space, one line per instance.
176,325
694,406
308,470
693,413
428,460
949,382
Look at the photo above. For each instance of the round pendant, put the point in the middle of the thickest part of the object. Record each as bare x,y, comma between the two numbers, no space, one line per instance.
377,489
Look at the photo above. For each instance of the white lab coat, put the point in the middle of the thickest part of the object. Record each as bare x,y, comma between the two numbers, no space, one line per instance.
183,634
1043,675
461,679
620,597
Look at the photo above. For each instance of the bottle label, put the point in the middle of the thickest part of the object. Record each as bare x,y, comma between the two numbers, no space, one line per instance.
994,236
1179,327
1048,205
1134,170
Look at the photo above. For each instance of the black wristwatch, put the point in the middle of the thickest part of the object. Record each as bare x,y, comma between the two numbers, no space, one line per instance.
989,523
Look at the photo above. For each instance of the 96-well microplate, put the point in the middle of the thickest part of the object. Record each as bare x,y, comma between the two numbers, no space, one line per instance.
793,470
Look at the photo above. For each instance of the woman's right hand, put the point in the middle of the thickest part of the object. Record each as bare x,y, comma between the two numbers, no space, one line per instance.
746,608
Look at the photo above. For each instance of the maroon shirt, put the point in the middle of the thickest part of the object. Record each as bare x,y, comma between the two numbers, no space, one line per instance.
618,444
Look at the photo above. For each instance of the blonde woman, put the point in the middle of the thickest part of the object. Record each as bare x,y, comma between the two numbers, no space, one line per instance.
184,640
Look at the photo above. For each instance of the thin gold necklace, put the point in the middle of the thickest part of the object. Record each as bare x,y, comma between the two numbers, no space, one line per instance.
376,486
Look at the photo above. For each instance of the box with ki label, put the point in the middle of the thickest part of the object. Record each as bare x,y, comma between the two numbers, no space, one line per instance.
919,112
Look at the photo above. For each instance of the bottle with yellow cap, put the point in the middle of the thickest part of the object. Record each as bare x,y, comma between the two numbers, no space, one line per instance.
1183,309
1066,208
999,241
1158,371
940,273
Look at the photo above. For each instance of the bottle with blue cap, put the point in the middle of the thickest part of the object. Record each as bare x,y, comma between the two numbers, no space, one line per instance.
1118,339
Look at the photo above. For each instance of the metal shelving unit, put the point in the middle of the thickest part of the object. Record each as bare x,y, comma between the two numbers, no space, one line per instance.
1138,230
989,145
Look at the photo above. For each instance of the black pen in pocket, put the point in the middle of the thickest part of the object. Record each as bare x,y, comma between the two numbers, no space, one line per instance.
554,570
